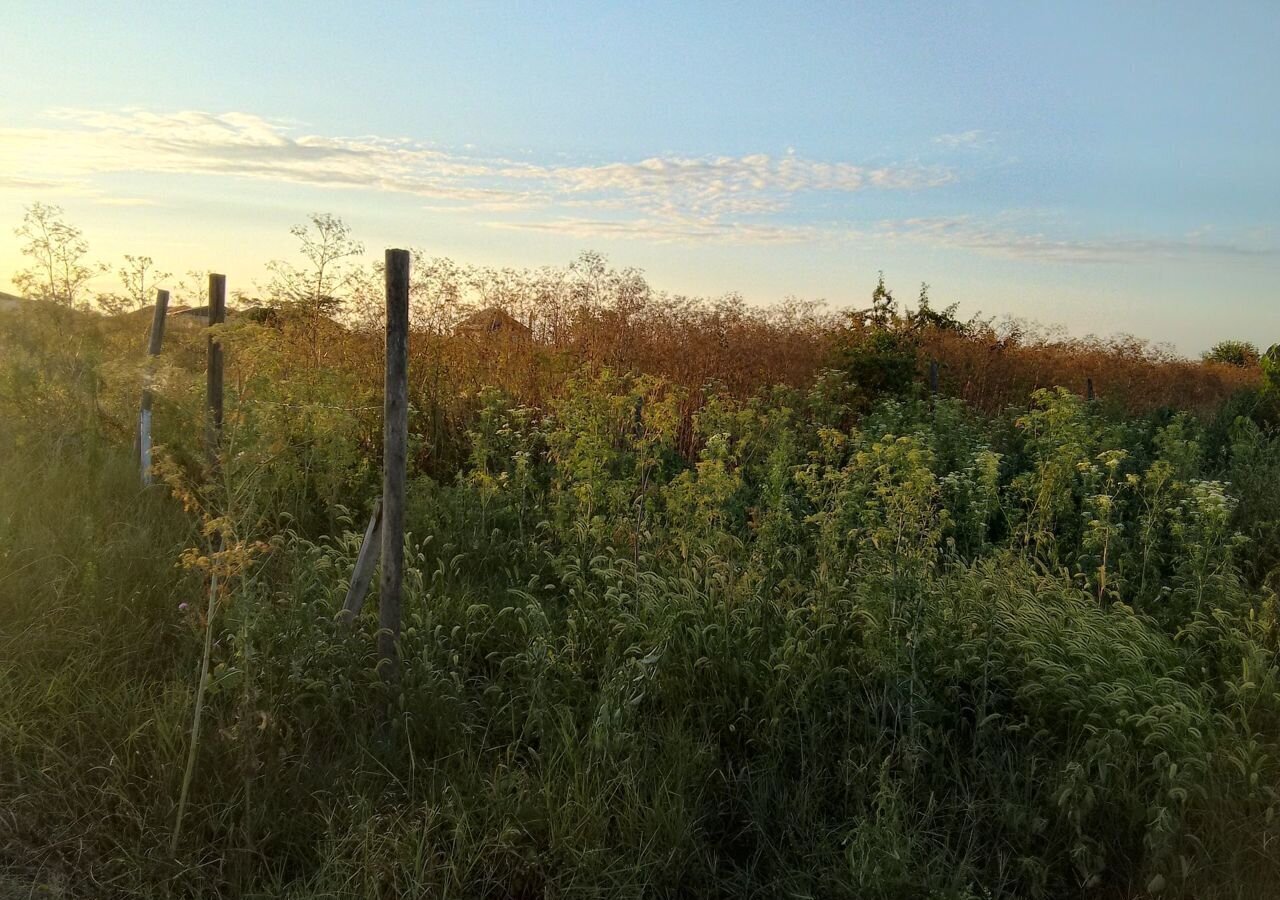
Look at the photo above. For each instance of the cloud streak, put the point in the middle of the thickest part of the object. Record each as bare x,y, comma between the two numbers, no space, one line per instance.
751,199
971,139
665,231
700,195
963,232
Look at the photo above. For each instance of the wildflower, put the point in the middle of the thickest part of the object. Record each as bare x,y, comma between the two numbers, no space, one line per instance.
183,607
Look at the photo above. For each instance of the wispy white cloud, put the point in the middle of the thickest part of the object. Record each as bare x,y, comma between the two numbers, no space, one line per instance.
666,194
752,199
670,231
1003,239
721,186
126,201
972,138
18,183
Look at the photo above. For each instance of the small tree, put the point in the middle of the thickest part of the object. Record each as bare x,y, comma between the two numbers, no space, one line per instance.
878,351
316,290
59,271
1233,353
884,309
138,278
925,316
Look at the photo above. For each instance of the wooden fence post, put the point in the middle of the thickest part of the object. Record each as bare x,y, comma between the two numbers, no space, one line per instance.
395,430
933,377
1089,389
144,417
213,387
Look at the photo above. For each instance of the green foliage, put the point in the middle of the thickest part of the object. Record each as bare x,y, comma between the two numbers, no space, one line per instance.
877,353
654,645
1271,369
879,363
925,316
1233,353
1060,440
1268,409
1254,474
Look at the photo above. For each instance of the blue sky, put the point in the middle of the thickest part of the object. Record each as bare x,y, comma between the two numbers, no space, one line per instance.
1107,167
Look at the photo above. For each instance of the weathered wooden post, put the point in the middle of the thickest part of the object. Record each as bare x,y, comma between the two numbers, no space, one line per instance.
1089,389
213,386
144,417
395,431
933,377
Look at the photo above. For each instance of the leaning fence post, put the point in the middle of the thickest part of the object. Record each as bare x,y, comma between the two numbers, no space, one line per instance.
213,387
366,562
395,431
144,416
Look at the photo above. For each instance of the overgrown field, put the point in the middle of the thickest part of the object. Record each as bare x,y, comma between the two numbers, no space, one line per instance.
798,632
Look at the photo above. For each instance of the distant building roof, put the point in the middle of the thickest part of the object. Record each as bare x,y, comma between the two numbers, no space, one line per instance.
202,312
492,320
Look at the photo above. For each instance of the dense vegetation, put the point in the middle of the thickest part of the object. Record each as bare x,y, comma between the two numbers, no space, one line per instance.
704,601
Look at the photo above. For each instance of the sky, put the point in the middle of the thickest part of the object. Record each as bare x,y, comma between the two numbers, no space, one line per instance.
1109,168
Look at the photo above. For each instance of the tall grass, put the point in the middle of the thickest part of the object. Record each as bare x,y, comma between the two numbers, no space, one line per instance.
656,644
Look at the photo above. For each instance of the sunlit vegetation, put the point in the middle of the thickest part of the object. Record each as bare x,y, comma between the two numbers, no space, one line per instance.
704,600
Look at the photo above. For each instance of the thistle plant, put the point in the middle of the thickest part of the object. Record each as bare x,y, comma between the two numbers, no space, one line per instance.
1059,440
1104,524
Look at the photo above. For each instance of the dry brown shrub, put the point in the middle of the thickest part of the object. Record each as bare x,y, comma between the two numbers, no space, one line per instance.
994,367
